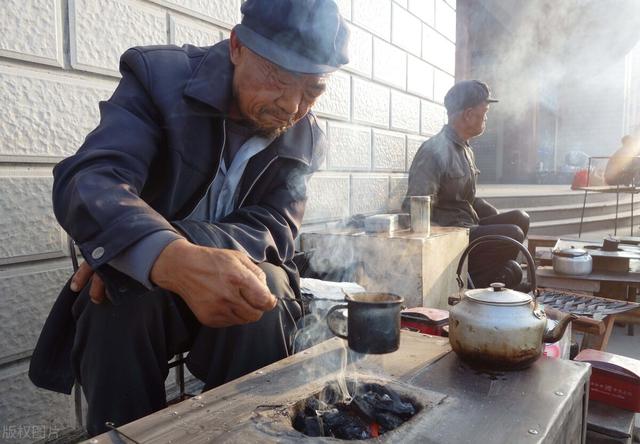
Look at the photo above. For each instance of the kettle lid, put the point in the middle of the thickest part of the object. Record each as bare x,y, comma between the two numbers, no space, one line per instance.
498,294
571,252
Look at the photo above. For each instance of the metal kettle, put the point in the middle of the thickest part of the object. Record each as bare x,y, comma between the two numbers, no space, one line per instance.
497,327
572,261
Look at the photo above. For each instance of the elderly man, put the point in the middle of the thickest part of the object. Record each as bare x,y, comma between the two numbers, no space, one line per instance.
185,202
445,168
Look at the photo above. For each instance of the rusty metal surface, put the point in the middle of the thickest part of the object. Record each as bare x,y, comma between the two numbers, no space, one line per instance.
460,405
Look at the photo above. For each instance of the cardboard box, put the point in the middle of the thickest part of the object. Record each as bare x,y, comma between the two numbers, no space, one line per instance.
615,379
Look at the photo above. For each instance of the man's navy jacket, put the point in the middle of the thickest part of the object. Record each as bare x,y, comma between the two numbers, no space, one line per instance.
147,165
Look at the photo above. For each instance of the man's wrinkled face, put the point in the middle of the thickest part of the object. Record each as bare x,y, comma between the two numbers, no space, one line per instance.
268,98
476,118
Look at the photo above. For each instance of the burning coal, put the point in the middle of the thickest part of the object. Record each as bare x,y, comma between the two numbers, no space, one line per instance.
373,411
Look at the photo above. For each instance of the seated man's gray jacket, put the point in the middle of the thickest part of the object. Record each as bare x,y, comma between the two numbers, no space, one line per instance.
444,167
150,161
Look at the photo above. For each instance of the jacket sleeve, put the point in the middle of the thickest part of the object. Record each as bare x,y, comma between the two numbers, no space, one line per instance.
96,191
265,231
424,176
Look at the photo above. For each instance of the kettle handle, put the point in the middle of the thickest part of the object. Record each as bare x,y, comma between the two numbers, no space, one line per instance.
531,268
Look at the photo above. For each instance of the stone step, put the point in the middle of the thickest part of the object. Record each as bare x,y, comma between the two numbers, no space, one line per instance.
543,200
571,226
558,212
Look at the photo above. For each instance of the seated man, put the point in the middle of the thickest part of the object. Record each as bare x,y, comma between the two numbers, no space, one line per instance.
444,167
185,201
623,168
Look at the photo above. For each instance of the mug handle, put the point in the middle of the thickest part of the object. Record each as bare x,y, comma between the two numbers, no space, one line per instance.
330,322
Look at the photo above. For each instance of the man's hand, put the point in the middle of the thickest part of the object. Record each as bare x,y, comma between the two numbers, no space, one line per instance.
221,287
80,279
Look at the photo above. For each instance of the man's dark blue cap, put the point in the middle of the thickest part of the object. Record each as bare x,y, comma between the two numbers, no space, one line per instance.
303,36
467,94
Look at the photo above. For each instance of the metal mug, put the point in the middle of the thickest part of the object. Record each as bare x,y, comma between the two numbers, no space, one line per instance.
373,322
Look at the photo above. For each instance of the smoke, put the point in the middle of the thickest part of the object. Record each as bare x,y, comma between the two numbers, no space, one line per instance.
548,42
558,68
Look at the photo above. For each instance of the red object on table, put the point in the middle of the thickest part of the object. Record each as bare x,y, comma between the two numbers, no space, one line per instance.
430,321
615,379
580,179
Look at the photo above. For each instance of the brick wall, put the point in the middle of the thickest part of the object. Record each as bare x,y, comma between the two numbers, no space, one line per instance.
58,58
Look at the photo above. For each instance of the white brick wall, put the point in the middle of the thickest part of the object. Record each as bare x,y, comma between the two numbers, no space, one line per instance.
101,31
433,117
389,152
28,291
27,225
406,30
360,52
446,19
389,64
425,9
328,197
397,191
32,30
405,112
369,193
376,112
336,100
438,50
350,147
222,12
374,15
420,76
195,32
370,103
44,114
22,404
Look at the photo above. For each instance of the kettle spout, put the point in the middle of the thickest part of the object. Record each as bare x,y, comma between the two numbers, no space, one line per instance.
554,330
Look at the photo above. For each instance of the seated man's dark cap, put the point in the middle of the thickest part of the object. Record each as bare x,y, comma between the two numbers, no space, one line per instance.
303,36
467,94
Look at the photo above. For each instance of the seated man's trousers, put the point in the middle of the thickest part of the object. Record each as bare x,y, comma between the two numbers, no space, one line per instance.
486,260
121,352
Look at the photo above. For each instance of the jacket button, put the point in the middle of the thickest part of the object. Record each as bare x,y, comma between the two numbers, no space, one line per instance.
97,253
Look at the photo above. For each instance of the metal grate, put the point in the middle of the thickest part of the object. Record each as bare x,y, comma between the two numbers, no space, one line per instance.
583,304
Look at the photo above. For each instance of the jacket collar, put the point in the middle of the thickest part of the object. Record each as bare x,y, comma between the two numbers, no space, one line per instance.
299,141
212,80
453,136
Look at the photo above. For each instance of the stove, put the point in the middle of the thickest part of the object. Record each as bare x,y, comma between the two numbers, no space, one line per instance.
545,403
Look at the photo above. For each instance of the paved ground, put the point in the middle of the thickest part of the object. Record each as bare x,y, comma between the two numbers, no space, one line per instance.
622,344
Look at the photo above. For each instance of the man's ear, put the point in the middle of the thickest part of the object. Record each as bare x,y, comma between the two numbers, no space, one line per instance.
235,47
